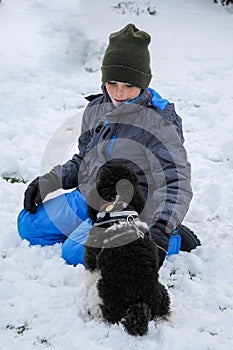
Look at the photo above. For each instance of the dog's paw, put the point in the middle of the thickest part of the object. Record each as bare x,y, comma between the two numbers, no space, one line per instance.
137,319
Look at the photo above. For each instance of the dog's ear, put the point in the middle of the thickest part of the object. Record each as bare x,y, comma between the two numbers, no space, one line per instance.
94,203
92,214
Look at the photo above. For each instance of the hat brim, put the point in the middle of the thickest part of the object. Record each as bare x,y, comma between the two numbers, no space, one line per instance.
126,75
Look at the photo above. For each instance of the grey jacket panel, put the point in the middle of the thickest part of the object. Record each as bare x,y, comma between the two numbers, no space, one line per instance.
149,140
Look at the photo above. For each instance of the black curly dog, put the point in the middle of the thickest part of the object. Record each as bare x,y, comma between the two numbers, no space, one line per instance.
121,259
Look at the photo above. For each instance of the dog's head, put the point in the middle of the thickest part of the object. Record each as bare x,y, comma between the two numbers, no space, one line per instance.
115,182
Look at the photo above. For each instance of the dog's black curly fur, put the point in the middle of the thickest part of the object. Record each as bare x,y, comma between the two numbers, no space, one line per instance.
129,288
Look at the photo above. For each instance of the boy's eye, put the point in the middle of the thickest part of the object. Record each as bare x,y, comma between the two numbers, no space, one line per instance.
115,83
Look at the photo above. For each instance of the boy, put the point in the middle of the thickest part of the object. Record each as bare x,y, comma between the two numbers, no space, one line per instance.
128,123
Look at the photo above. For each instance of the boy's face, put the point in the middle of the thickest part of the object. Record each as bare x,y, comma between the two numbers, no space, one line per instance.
121,92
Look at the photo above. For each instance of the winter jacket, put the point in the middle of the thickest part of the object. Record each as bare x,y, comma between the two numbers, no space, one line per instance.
146,134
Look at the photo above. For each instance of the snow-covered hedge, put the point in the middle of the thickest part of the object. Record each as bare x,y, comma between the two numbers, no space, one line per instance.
123,7
224,2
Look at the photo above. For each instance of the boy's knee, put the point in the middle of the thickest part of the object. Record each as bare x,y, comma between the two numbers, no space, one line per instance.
73,248
24,225
28,230
73,252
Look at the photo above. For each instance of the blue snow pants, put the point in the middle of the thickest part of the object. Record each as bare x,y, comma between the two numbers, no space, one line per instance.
65,220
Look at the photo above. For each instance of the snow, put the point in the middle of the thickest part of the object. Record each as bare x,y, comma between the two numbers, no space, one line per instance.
49,60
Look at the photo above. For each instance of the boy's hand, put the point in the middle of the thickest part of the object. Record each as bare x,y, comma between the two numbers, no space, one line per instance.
32,196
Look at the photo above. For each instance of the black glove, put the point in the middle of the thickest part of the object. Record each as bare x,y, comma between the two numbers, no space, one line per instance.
39,188
161,237
32,196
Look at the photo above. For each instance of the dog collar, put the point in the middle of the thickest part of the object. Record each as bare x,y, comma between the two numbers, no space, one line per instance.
114,214
104,217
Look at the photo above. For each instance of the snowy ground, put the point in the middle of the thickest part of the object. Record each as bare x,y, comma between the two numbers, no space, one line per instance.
44,72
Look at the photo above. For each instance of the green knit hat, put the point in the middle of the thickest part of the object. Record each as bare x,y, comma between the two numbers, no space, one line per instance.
127,58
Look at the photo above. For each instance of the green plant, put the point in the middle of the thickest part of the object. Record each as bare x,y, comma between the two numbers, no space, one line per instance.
13,179
20,329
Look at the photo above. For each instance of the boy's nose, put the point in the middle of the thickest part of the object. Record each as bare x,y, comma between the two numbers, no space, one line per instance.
120,92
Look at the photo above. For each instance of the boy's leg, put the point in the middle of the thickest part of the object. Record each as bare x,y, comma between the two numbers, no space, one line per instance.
182,239
73,247
54,220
